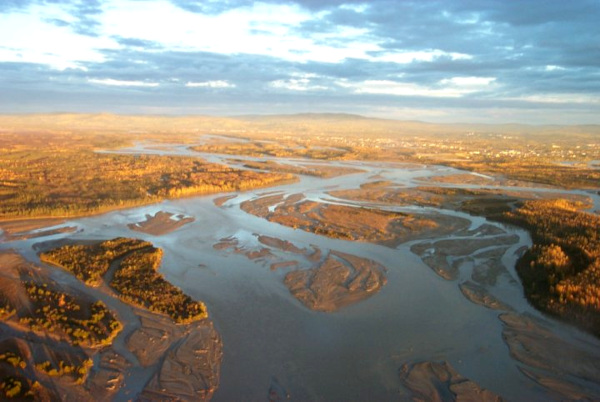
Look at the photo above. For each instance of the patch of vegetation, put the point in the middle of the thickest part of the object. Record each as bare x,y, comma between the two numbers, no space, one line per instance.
282,149
90,262
6,309
18,388
561,272
136,278
78,371
13,359
536,171
86,323
138,281
11,387
62,177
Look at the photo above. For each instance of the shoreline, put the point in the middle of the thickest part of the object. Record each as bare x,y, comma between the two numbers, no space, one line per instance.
65,218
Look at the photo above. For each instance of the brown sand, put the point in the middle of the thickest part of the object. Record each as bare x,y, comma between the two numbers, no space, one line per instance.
219,201
479,295
283,264
161,223
252,254
342,279
27,225
190,369
436,256
439,381
352,223
551,361
280,244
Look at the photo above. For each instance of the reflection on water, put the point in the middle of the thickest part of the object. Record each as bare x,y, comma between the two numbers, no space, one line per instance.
356,352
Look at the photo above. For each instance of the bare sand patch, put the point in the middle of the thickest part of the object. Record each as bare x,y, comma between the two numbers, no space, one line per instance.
480,201
161,223
334,279
317,170
40,233
352,223
489,266
445,256
533,344
439,381
27,225
280,244
341,279
109,376
30,229
188,358
561,389
219,201
481,180
283,264
232,243
379,192
551,361
479,295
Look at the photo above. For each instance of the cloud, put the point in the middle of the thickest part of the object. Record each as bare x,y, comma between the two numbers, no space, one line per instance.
447,88
299,82
487,57
120,83
210,84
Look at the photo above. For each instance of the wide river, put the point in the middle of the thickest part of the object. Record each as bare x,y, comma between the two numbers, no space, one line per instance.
355,353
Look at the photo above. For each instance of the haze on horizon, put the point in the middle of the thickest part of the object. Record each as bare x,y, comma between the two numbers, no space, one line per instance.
533,62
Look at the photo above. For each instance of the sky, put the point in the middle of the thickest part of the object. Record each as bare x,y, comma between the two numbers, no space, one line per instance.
494,61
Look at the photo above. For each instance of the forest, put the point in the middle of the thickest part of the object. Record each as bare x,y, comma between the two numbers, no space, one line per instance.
136,278
138,281
65,177
89,263
561,272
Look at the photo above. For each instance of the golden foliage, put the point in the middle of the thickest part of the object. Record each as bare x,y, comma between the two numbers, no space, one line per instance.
561,272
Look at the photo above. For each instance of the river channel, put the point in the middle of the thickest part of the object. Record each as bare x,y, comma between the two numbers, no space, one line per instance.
272,341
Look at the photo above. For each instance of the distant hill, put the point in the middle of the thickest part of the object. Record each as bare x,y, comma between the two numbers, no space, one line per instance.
333,124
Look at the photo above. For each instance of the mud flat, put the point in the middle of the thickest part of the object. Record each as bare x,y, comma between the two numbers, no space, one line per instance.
161,223
381,192
480,201
479,295
351,223
322,171
567,370
280,244
445,257
27,225
188,358
481,180
30,229
439,381
332,280
341,279
219,201
231,243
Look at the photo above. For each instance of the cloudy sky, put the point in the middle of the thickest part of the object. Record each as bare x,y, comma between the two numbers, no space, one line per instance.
497,61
